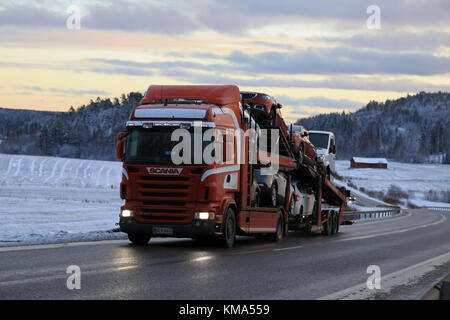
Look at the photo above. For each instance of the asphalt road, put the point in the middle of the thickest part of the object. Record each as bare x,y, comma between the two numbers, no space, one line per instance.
412,251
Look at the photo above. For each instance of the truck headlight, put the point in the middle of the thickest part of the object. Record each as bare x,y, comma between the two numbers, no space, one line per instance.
204,215
126,213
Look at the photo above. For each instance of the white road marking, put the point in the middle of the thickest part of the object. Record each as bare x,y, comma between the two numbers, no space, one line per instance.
388,282
288,248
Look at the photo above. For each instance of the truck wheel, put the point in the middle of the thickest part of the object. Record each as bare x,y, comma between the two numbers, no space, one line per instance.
336,223
278,235
328,226
328,174
139,238
274,195
229,228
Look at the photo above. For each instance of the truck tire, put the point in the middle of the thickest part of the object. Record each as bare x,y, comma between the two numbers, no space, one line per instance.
278,235
328,226
229,228
336,222
139,239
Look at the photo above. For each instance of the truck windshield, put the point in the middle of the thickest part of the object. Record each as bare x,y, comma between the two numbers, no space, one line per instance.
154,146
319,140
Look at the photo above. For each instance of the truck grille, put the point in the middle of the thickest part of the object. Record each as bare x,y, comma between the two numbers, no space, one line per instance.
164,198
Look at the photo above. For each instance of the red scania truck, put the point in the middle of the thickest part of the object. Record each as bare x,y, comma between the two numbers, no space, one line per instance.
198,199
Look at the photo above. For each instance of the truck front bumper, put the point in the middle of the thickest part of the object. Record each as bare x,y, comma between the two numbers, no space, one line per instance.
196,229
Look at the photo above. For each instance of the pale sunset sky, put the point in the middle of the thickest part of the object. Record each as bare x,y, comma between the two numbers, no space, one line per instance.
313,56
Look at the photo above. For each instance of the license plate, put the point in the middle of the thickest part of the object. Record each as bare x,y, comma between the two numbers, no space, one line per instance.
162,231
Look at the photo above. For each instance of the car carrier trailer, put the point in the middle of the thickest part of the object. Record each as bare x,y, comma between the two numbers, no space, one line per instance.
163,199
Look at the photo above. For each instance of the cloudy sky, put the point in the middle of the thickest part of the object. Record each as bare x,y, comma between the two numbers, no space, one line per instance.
314,56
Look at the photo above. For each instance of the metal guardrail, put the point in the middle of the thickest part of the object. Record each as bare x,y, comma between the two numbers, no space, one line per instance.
437,208
373,214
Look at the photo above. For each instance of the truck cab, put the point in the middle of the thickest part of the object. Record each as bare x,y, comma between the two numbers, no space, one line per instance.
326,150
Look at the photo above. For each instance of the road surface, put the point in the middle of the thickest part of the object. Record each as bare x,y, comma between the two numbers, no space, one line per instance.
412,251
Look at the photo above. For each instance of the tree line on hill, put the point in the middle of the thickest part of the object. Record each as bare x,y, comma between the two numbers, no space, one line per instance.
415,128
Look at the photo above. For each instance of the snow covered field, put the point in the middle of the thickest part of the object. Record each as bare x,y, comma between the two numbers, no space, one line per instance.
414,179
47,200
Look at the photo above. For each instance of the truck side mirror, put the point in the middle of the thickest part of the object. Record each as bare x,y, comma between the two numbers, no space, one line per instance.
120,145
333,149
279,106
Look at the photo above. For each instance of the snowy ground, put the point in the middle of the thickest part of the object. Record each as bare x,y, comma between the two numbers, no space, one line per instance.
57,200
415,179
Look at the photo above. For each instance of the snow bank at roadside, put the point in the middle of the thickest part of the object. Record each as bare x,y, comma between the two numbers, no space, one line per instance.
50,200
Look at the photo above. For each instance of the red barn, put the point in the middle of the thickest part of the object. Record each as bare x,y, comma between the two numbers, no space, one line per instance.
358,162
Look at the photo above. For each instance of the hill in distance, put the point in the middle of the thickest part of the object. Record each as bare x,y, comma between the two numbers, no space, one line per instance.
410,129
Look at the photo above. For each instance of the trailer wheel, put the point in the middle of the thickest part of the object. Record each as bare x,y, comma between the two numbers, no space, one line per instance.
278,235
139,239
328,226
229,228
333,225
336,223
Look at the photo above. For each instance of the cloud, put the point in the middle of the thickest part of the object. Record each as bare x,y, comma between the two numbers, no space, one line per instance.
79,92
31,16
319,61
343,82
160,65
125,71
393,40
149,17
340,60
321,102
30,89
404,12
231,16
